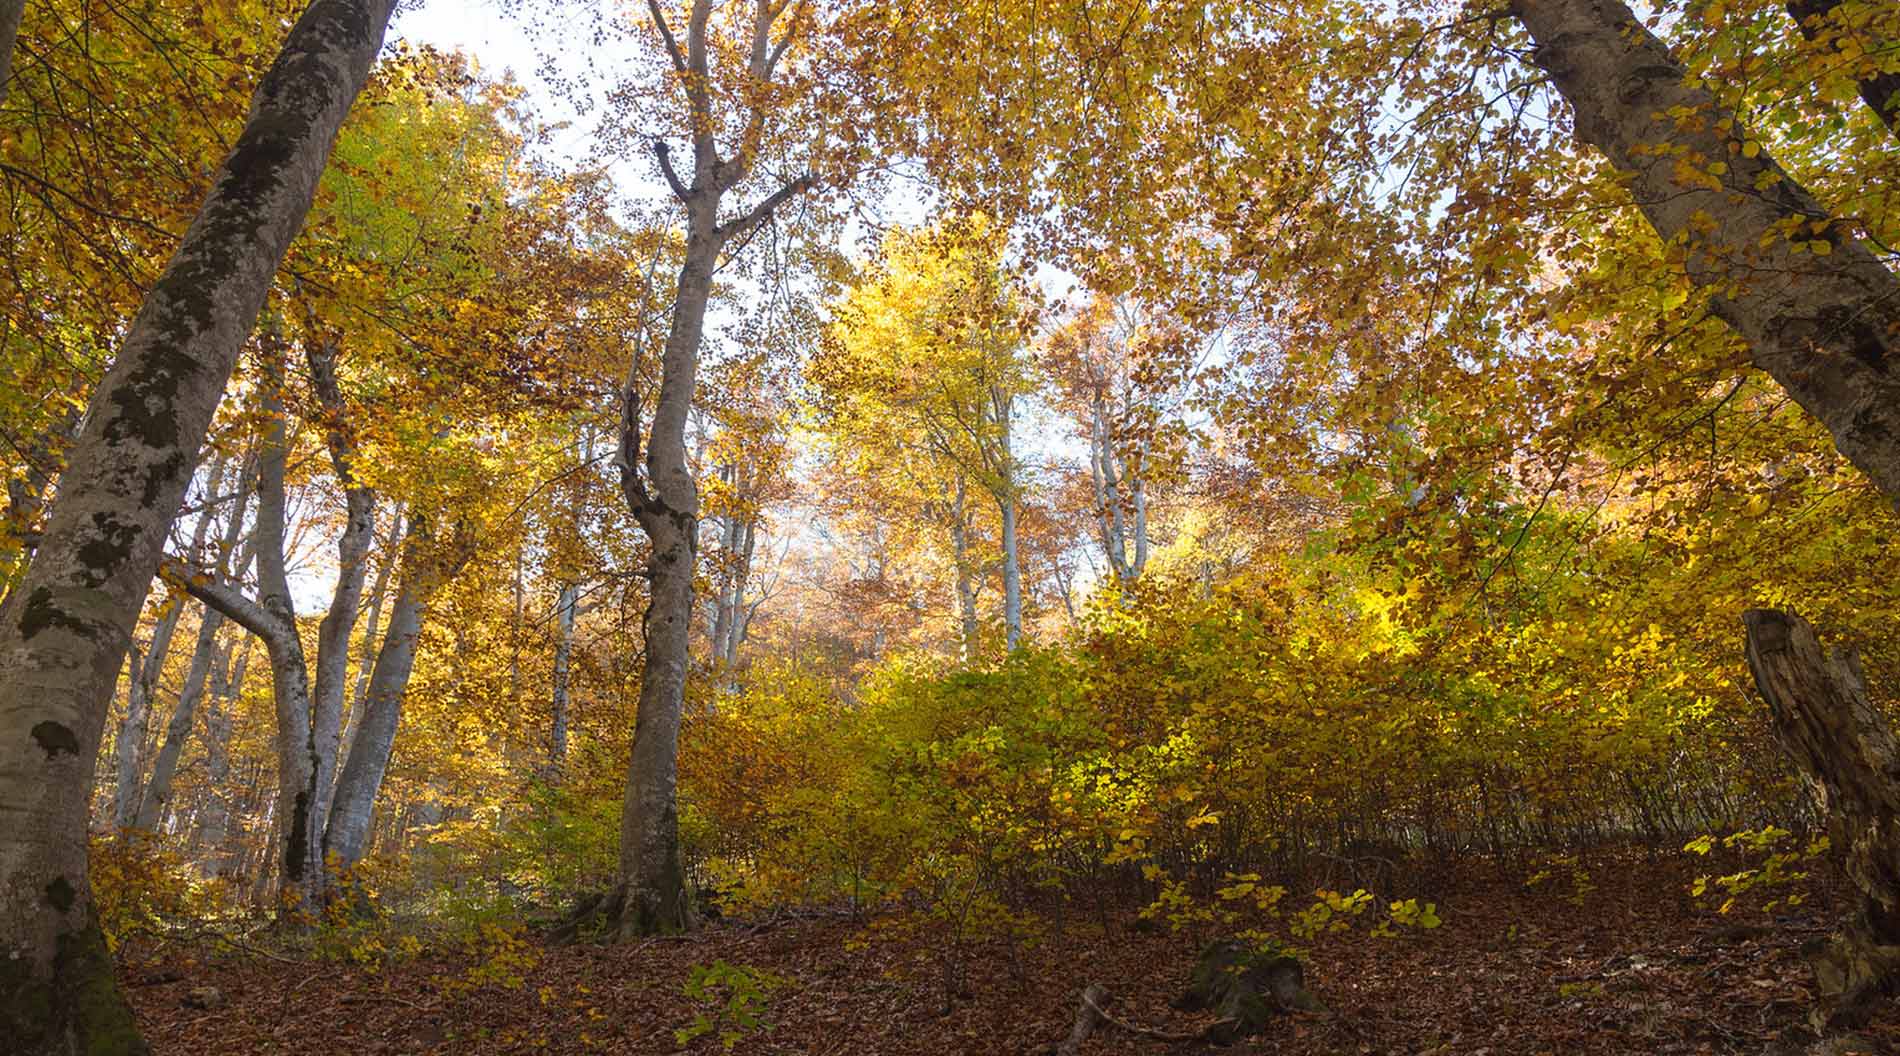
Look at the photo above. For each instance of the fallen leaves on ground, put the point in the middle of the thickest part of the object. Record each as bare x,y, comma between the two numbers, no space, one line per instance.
1632,967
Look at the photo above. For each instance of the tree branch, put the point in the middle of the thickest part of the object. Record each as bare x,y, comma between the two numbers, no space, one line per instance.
226,599
763,211
666,34
665,155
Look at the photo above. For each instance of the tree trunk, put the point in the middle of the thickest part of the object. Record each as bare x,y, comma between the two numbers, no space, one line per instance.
565,613
10,13
966,579
347,835
1825,325
372,625
227,682
332,675
1848,756
1879,89
62,644
158,789
652,896
1002,409
138,714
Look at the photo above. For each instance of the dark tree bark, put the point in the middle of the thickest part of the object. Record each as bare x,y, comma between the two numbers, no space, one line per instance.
1847,755
1825,325
10,14
64,636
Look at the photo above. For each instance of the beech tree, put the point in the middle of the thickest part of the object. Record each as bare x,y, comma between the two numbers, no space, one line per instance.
1820,312
656,477
63,634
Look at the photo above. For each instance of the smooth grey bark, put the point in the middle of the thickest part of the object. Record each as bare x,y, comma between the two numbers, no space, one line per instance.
959,522
332,674
657,479
1121,493
1825,326
158,788
351,814
371,629
140,691
1003,474
273,619
227,682
1879,90
63,638
565,611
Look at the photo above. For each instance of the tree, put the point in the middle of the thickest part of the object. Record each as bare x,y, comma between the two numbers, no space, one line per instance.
655,476
1820,313
64,633
918,379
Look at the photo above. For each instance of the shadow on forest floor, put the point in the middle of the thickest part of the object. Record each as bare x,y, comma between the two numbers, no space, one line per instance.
1631,967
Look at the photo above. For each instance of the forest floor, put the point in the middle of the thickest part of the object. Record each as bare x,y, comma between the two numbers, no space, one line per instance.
1630,966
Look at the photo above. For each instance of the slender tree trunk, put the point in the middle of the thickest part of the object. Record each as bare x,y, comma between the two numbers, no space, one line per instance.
1880,89
1820,313
565,612
651,894
227,682
158,789
62,644
1002,409
10,14
138,714
371,626
966,578
332,675
1847,754
350,816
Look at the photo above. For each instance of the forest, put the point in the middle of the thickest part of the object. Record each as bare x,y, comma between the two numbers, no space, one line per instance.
1039,526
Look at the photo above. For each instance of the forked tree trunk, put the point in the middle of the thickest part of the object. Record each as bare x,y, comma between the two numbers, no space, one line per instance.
64,637
347,834
425,570
1820,313
659,487
1848,757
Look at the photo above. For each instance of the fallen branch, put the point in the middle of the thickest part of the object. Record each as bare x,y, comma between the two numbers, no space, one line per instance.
1091,1013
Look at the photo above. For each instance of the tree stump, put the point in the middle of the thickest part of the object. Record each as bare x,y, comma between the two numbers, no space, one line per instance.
1245,987
1826,723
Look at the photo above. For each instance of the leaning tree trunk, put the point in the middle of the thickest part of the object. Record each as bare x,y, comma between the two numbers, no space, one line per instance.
1850,760
138,714
62,645
347,833
1880,89
1820,313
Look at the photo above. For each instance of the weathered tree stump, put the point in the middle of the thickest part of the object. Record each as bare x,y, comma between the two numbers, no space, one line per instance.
1849,758
1245,987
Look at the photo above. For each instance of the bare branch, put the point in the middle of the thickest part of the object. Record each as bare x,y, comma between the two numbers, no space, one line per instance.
763,211
665,154
224,598
666,34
